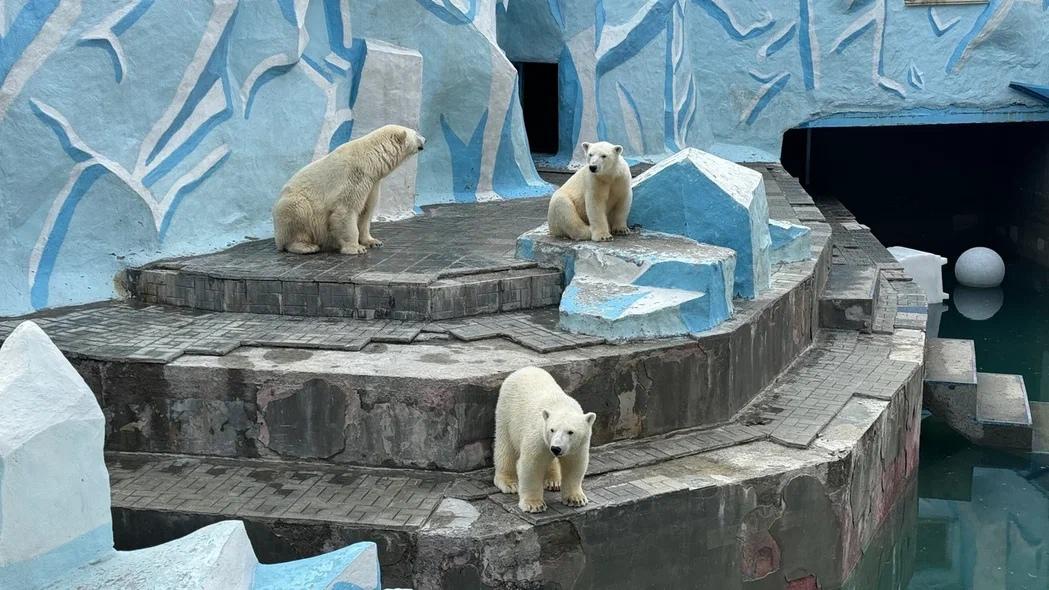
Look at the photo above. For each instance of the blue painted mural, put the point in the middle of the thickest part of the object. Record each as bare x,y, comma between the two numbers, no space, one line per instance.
136,129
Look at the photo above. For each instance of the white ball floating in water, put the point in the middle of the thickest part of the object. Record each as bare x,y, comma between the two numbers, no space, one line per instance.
979,267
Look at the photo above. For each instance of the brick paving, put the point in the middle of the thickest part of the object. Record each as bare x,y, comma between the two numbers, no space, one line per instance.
117,331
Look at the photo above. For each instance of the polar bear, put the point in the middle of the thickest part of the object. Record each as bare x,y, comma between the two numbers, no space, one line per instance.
595,201
542,440
328,205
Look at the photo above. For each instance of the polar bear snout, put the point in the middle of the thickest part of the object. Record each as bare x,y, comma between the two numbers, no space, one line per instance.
556,451
593,168
421,142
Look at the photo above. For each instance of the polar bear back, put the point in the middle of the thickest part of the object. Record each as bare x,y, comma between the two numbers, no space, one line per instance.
523,397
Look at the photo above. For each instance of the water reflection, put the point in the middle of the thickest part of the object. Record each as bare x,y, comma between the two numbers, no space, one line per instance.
978,304
980,522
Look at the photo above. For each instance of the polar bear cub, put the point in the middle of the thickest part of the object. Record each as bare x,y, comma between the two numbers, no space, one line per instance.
595,201
328,205
542,440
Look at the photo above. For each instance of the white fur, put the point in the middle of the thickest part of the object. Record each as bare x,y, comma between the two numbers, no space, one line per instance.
533,415
595,201
328,205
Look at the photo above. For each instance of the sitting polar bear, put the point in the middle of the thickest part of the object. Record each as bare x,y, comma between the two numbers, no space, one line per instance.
542,440
328,205
596,198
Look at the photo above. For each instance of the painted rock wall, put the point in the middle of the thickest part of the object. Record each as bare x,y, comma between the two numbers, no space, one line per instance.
730,76
136,129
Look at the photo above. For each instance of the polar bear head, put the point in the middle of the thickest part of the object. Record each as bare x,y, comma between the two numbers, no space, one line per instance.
602,157
567,433
411,139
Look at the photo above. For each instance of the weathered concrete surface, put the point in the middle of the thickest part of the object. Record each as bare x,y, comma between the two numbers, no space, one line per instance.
791,242
848,300
1003,411
753,516
402,405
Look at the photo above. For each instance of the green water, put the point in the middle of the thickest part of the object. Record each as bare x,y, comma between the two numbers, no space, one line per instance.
979,518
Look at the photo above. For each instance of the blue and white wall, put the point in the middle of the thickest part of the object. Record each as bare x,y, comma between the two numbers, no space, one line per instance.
136,129
731,76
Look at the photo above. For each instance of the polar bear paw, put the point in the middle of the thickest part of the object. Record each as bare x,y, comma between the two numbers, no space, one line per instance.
353,249
506,485
532,505
553,485
371,242
600,236
621,231
574,498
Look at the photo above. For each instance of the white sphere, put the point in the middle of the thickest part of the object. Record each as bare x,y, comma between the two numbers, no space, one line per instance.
980,268
978,304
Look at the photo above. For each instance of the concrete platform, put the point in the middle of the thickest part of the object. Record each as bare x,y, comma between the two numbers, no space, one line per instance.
764,453
451,262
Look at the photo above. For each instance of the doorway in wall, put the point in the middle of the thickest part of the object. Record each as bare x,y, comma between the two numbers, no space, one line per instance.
539,94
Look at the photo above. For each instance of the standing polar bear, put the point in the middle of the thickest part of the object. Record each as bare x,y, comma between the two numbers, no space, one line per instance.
328,205
542,440
595,201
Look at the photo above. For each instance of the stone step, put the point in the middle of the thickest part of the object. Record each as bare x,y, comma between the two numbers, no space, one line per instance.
369,295
451,261
1003,411
950,383
848,300
1040,427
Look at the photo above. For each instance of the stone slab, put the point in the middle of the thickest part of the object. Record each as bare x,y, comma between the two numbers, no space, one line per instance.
1040,426
849,297
951,361
1002,399
1003,412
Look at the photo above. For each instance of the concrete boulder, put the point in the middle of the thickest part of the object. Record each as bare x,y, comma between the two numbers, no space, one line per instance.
55,524
646,285
713,201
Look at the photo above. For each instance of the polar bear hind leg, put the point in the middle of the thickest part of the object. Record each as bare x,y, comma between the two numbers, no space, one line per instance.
291,229
505,457
344,230
565,222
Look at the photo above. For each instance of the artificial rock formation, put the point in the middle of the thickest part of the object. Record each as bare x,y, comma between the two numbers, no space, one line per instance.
649,285
55,524
713,201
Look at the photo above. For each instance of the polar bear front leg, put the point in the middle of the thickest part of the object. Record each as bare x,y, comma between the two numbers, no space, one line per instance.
343,227
597,214
530,474
553,476
364,223
573,468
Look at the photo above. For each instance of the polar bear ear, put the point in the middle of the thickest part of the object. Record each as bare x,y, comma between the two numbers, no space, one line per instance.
590,417
619,149
546,415
402,136
586,146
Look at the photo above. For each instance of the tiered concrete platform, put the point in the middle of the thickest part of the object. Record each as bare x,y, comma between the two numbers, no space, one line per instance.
763,453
